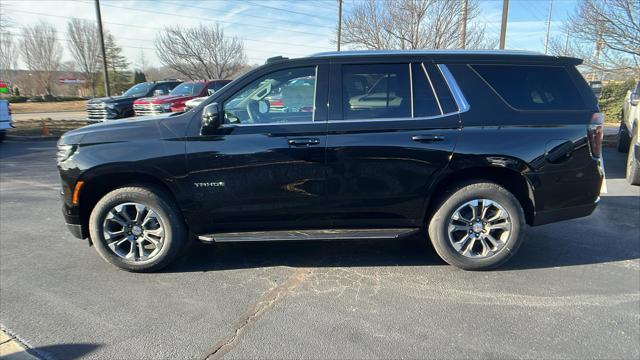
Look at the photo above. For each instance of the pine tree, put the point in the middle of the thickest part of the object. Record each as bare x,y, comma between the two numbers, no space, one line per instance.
139,77
116,62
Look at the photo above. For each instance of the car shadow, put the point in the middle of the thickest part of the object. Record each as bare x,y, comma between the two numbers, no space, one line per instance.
59,351
603,237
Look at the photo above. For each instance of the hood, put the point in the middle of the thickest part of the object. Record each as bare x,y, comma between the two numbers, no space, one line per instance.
129,129
111,99
163,99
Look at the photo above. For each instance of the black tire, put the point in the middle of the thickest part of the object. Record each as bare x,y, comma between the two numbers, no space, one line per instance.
3,135
439,225
169,217
633,167
624,139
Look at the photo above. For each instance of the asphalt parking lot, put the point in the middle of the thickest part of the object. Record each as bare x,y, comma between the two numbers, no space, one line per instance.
572,291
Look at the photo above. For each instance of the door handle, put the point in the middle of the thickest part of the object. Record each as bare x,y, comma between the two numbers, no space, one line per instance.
427,138
304,141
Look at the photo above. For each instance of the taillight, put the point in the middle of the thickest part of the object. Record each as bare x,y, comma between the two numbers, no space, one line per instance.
595,133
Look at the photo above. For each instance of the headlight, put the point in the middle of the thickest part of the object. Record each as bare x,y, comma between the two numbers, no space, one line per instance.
166,107
102,105
65,152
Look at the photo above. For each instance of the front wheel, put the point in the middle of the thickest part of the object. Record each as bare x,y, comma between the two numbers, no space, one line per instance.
478,226
137,228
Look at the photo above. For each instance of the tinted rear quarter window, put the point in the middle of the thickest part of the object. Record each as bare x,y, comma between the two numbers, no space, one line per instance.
529,87
424,101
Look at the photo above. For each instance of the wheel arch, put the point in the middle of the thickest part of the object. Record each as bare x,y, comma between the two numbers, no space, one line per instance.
98,185
508,177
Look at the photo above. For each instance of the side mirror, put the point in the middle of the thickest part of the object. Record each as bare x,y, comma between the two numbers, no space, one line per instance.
158,92
635,99
211,119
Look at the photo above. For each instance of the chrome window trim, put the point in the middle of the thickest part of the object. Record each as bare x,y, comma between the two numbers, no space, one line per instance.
411,89
456,92
459,98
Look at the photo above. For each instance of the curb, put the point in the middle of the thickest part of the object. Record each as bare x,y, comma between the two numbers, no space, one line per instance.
12,349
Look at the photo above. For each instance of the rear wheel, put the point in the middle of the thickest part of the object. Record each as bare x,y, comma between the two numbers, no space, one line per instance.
633,168
137,229
477,226
623,139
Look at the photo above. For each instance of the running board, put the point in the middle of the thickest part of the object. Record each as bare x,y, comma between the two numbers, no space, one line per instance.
293,235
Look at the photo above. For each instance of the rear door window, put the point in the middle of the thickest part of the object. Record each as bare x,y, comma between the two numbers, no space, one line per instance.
377,91
528,87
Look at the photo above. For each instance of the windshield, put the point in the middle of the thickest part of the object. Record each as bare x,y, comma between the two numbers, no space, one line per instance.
138,90
188,89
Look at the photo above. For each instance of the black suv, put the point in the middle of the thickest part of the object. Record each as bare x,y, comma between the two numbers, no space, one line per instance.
468,148
118,107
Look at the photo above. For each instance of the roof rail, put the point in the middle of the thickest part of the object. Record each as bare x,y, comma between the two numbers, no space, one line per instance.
276,58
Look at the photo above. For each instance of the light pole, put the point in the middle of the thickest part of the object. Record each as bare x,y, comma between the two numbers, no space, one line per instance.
105,70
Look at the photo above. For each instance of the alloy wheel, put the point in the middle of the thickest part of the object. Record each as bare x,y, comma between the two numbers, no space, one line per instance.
133,231
479,228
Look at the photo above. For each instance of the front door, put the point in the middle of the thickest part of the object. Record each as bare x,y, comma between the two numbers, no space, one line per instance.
387,139
264,169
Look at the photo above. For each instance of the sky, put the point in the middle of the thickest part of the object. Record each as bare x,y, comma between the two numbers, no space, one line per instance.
268,28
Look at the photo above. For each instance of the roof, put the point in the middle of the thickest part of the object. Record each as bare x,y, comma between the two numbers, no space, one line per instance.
450,54
458,52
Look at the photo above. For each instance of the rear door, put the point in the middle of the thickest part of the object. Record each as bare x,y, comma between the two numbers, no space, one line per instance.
392,127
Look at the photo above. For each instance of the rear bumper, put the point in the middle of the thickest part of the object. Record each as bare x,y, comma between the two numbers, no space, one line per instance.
555,215
5,125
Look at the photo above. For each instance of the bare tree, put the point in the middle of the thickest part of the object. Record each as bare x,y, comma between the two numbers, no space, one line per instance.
85,47
606,34
8,50
200,52
41,52
412,24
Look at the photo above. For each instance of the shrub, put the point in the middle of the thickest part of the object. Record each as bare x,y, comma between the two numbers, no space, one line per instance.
17,99
612,99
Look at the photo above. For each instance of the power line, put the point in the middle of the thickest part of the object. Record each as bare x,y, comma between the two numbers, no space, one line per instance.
210,20
252,15
158,28
285,10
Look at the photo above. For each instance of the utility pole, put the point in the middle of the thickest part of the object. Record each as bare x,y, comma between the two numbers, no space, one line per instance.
339,22
546,41
463,25
566,44
105,70
503,26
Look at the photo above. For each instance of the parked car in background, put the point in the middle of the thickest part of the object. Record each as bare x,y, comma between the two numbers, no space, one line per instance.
627,118
194,102
596,87
175,101
628,130
469,147
117,107
5,118
633,157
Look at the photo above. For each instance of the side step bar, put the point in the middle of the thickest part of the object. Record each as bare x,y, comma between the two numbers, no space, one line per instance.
293,235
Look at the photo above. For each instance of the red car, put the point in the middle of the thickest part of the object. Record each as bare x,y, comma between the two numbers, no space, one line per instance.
175,100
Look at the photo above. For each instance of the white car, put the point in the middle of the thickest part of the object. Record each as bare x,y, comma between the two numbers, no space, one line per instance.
5,118
194,102
629,133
